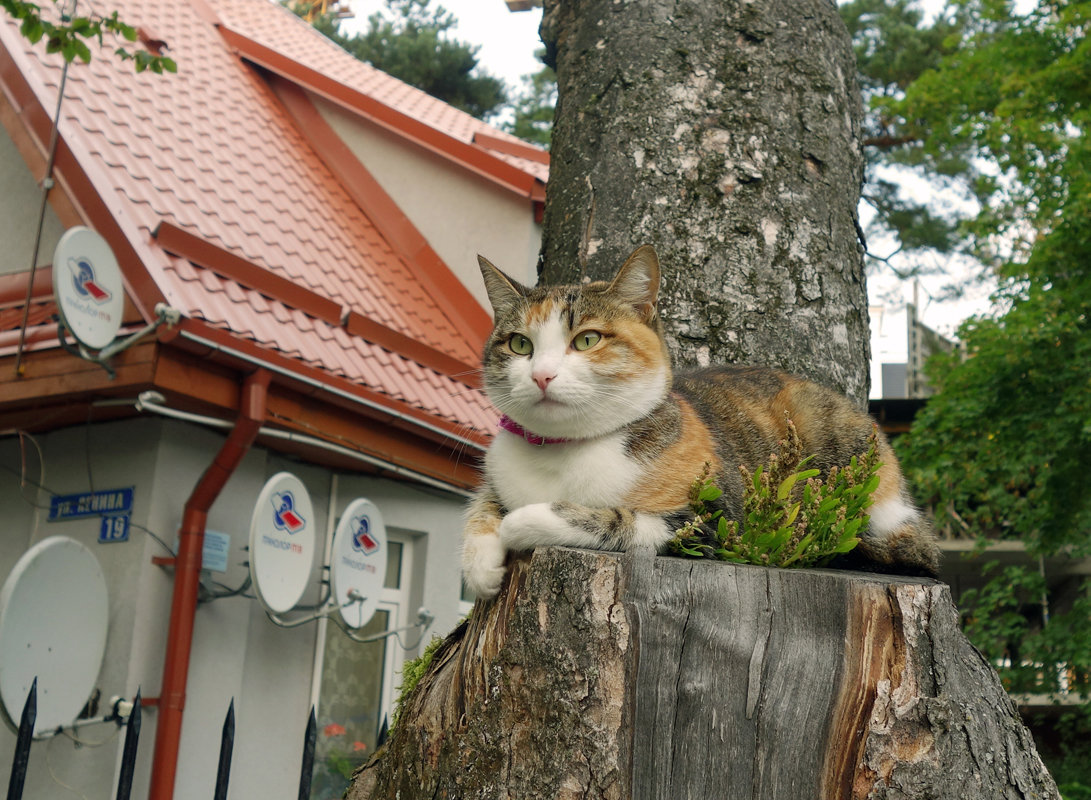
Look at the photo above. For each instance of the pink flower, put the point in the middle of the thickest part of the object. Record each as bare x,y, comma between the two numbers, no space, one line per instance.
333,729
358,747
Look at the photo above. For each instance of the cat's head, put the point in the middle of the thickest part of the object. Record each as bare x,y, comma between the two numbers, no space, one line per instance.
577,361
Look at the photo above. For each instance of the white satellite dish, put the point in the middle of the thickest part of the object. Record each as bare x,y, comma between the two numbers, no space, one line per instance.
358,563
87,286
282,542
54,612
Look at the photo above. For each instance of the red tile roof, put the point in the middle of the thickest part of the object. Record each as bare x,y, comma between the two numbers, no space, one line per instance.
210,154
293,38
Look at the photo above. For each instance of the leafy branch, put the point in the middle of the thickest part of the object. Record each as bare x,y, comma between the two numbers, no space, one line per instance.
69,37
791,516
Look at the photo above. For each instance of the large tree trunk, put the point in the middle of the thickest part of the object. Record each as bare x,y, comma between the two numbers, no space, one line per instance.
599,675
726,133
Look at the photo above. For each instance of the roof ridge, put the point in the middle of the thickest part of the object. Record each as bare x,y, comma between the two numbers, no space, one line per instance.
477,159
307,29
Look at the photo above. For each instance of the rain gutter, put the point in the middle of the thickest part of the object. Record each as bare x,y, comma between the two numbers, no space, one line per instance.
187,574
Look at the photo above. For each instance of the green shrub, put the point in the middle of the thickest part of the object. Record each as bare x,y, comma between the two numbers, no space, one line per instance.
792,517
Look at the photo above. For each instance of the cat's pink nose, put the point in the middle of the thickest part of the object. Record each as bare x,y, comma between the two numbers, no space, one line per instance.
543,379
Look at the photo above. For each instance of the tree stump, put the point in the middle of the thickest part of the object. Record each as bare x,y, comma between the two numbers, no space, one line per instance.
610,675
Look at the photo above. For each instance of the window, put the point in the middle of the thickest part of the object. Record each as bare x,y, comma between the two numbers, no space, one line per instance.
356,690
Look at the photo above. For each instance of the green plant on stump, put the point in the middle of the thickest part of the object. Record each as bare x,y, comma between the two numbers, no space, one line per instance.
792,517
412,671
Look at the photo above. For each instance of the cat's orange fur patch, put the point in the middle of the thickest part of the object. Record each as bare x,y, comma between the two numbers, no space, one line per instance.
482,517
665,484
539,313
890,476
644,354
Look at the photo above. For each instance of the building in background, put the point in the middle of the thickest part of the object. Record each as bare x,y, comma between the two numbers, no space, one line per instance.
313,224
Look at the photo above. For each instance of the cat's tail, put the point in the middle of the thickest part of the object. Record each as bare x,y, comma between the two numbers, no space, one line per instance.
899,540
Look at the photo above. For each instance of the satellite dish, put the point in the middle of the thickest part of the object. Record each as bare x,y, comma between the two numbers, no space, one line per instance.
54,612
282,542
87,286
358,564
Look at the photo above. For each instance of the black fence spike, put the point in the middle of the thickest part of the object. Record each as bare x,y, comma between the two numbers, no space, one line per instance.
22,744
307,770
128,751
227,743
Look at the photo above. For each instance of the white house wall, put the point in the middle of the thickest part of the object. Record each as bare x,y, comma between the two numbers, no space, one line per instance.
237,651
458,212
20,200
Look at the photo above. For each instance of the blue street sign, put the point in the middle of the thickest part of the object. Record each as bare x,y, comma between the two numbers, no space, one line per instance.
110,502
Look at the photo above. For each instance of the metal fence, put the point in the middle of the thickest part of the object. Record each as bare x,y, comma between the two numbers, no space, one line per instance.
132,738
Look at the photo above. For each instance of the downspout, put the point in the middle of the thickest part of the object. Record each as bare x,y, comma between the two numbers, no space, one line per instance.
187,574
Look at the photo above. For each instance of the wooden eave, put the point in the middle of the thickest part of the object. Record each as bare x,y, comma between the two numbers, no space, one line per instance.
59,390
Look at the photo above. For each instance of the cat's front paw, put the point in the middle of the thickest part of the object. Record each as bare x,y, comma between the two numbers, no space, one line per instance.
483,564
541,525
528,527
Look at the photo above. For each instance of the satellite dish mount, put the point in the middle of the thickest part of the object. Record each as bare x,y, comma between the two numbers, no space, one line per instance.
90,299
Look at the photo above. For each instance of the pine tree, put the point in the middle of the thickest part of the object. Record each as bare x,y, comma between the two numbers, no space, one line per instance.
412,40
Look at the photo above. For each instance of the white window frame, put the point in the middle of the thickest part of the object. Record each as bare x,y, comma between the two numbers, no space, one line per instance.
396,603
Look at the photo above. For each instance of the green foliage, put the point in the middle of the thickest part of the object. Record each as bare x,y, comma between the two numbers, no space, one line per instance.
1004,619
791,518
533,106
894,47
67,35
1002,451
1074,790
982,101
412,671
1070,766
412,40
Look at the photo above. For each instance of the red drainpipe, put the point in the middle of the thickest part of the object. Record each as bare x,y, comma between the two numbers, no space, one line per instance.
187,574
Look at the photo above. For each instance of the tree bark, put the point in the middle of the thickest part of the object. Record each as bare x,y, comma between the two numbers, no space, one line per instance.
726,133
605,675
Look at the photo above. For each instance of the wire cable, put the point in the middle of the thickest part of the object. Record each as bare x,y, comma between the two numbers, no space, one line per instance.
47,185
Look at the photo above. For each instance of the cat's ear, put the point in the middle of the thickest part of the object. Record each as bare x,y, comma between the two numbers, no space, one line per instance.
637,282
504,293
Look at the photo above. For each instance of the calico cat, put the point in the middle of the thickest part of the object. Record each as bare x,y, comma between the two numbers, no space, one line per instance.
600,442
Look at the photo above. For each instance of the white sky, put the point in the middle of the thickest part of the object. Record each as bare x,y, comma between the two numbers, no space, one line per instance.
508,39
508,42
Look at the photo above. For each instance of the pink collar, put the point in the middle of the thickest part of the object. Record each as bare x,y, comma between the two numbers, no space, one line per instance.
511,426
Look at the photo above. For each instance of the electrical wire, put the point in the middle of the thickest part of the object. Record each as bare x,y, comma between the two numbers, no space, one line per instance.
36,520
47,185
87,449
54,776
155,536
39,484
35,484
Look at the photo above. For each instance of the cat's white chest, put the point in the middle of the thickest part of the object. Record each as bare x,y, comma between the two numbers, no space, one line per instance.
597,473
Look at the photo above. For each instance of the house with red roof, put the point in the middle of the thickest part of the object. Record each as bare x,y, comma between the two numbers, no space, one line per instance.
296,236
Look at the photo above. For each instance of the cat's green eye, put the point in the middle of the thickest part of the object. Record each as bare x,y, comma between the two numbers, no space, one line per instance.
520,345
586,340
